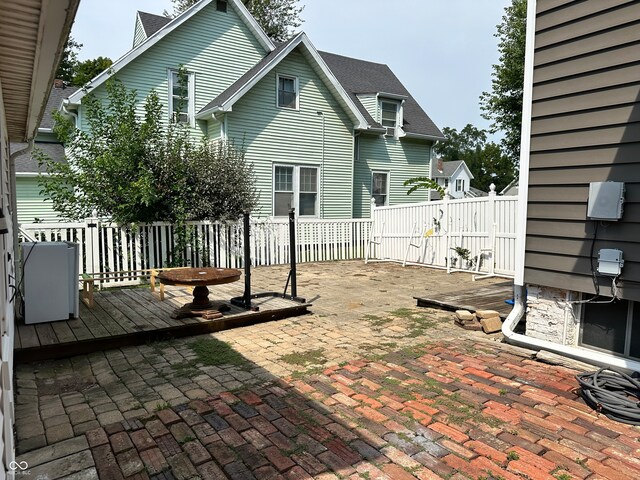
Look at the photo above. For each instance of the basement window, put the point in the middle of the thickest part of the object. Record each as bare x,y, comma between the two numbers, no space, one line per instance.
611,327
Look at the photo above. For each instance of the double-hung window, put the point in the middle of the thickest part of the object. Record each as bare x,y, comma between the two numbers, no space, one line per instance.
389,117
181,97
460,185
295,186
380,188
287,92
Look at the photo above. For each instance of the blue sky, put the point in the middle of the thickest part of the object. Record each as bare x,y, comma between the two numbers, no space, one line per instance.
442,50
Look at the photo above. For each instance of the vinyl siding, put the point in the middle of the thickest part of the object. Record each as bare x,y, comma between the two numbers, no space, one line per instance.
370,102
403,159
585,128
30,204
138,35
273,135
216,46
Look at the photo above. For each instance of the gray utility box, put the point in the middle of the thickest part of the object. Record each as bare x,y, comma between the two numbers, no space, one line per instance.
605,201
50,281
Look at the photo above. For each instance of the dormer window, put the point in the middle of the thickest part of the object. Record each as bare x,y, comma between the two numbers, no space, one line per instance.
181,97
389,117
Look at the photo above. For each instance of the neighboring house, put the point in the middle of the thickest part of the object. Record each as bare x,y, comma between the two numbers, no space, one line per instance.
454,175
580,127
511,189
324,132
31,207
32,36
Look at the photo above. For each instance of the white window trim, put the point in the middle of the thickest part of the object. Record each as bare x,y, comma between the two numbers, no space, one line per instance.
388,174
296,86
191,92
296,188
461,180
399,114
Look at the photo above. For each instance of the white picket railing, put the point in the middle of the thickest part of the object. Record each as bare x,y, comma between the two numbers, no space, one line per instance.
484,226
107,247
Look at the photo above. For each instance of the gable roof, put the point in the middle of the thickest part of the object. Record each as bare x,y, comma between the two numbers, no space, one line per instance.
361,77
448,169
165,30
151,23
57,95
225,101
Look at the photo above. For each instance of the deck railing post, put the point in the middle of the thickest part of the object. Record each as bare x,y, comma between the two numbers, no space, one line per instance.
92,236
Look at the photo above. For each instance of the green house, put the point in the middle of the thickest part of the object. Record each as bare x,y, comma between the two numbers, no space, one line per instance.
325,133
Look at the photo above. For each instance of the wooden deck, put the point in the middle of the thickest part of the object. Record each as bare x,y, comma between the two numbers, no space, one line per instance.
133,316
488,297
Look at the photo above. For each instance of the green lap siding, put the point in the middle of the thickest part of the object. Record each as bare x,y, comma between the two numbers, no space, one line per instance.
403,159
139,36
273,135
30,204
370,102
217,46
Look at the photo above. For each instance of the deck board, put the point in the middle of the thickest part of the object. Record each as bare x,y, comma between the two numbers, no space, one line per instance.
491,297
134,316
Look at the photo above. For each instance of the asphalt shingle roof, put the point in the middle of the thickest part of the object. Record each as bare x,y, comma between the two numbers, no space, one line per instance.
152,23
448,168
56,97
235,86
355,76
360,77
25,163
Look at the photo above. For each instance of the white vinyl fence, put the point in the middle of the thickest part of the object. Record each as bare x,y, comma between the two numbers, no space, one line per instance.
107,247
437,233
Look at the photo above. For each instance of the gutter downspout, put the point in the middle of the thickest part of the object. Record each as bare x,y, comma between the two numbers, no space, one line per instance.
582,354
519,291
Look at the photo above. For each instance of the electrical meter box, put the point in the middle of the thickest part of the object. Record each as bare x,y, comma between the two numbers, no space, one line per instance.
610,262
605,201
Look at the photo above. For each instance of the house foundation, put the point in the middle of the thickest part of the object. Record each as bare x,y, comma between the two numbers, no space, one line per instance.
552,315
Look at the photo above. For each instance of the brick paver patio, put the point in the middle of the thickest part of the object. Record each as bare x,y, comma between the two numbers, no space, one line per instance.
366,387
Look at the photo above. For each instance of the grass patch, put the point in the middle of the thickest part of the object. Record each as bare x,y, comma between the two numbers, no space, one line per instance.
209,352
376,321
302,359
213,352
461,411
513,455
161,406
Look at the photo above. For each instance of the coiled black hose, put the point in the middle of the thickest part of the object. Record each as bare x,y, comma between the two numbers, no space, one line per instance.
612,393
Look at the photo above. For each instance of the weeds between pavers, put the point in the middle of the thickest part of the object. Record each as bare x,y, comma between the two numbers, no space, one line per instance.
208,351
302,359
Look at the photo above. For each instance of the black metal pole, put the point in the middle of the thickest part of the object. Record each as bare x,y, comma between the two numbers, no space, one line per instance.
292,251
247,261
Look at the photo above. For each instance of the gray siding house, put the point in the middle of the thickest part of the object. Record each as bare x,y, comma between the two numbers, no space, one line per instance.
581,127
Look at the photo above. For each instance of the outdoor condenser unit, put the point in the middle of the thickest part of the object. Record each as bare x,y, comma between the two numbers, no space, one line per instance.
50,281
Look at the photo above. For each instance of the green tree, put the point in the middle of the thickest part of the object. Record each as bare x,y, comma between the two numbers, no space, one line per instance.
69,60
485,160
503,105
136,170
87,70
278,18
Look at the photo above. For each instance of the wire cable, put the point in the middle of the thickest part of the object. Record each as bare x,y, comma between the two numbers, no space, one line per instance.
612,393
